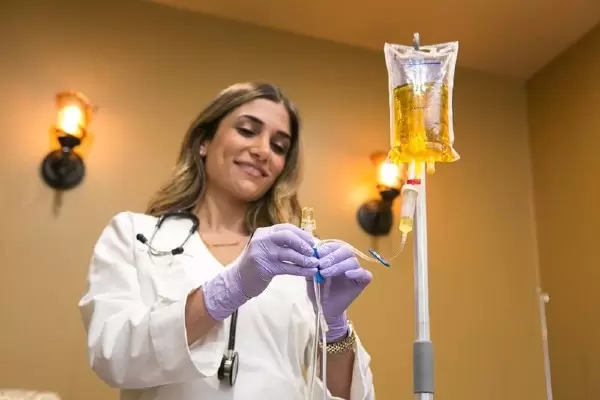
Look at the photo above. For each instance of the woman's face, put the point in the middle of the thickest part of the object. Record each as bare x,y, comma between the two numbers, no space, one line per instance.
249,150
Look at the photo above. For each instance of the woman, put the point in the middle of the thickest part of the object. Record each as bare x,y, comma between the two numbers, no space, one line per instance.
157,325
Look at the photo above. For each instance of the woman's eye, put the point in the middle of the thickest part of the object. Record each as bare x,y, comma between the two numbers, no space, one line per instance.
279,149
245,131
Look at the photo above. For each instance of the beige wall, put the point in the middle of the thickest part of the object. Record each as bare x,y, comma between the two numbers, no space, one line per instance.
151,69
565,128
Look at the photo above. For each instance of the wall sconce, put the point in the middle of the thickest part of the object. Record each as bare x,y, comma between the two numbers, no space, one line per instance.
375,217
63,167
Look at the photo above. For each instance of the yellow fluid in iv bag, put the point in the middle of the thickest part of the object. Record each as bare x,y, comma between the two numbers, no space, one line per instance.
406,224
420,124
420,89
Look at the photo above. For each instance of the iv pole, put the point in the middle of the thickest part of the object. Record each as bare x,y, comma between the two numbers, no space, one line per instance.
422,346
544,299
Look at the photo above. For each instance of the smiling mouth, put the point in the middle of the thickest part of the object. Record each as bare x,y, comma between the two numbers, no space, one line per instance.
251,170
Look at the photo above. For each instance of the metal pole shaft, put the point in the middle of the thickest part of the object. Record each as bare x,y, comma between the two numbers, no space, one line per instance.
423,386
544,299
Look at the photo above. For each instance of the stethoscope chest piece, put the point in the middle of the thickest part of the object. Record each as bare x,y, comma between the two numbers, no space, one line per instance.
229,368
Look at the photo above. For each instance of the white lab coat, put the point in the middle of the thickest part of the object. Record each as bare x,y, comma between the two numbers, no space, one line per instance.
133,311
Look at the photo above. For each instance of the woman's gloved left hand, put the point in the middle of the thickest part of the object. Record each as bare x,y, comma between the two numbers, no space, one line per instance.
345,280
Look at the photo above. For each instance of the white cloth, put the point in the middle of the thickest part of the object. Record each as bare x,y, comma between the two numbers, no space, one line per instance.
133,311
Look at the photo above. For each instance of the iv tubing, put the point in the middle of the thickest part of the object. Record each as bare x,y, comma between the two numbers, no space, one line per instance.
410,195
321,327
357,252
320,330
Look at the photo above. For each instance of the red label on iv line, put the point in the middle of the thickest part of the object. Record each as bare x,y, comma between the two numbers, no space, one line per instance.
413,181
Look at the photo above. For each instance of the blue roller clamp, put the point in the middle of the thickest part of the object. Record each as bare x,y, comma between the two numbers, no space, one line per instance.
318,277
379,258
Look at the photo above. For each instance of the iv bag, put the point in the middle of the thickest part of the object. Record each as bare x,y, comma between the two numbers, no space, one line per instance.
421,84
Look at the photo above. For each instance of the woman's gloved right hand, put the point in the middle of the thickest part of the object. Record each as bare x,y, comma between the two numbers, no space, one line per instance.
282,249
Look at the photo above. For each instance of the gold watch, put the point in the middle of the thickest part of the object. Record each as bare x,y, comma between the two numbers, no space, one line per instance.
344,345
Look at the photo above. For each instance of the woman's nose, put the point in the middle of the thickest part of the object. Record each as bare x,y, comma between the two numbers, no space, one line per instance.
260,149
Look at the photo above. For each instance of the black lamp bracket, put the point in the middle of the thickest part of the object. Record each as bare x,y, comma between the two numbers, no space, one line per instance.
63,169
376,217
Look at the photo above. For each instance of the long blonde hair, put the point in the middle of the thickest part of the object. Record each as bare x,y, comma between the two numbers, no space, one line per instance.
185,187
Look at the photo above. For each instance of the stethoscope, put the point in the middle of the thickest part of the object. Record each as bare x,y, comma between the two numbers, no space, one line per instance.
228,369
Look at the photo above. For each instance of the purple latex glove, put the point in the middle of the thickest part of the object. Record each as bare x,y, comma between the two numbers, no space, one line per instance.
345,279
282,249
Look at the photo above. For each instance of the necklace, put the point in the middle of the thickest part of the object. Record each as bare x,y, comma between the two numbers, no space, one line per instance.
236,243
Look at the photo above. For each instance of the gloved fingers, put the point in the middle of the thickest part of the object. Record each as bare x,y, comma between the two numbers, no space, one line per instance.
291,256
361,276
289,240
339,268
324,248
328,246
342,253
307,237
295,270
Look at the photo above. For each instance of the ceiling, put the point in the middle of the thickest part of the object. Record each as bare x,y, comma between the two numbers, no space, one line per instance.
510,37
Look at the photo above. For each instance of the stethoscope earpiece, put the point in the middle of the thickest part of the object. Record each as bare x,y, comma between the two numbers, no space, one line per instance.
176,250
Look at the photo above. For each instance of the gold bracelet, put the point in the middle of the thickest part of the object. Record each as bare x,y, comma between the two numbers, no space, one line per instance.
345,344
